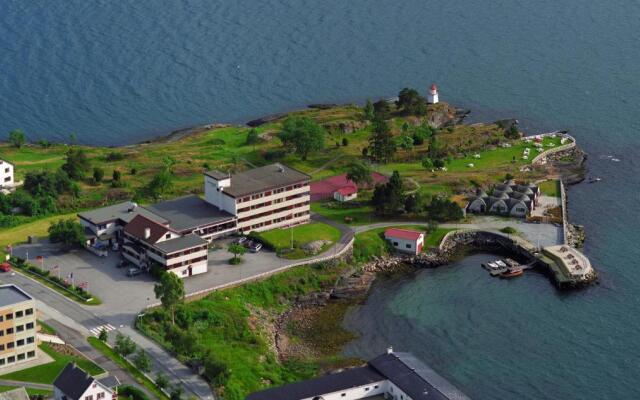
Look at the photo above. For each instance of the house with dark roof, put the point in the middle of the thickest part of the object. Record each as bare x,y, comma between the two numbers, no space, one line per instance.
75,384
398,376
509,199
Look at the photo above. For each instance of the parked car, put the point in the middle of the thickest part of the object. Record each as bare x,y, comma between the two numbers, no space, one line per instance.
134,271
123,263
241,240
255,247
248,243
5,267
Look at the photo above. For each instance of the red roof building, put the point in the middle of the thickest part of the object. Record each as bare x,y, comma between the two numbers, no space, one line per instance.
405,240
325,188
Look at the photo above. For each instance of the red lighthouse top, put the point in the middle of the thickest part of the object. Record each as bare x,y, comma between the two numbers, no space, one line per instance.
434,88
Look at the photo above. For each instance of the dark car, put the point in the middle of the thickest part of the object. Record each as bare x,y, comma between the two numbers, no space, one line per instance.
255,247
134,271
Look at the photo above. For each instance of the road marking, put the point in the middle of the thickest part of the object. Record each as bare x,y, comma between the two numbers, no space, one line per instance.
96,331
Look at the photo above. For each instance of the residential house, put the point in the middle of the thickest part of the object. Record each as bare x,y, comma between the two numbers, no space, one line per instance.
507,199
346,193
75,384
6,175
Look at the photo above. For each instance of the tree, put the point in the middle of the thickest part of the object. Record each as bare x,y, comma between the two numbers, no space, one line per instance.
98,174
381,143
170,291
436,148
104,335
124,345
411,102
389,198
405,142
303,135
237,250
381,110
512,132
421,133
17,138
345,141
215,371
252,136
161,381
427,163
142,361
442,209
76,163
68,232
176,392
115,178
160,184
359,173
368,111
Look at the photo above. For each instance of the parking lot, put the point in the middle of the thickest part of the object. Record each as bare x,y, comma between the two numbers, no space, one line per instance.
123,296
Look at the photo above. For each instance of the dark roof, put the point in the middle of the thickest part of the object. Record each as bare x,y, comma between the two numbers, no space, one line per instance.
181,243
189,212
264,178
217,175
73,381
11,294
503,188
110,381
500,194
125,211
139,223
315,387
414,378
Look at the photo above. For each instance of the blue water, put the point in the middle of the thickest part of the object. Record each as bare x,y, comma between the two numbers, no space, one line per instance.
118,72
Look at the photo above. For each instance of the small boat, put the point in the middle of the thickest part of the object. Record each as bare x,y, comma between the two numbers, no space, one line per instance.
512,273
593,180
501,264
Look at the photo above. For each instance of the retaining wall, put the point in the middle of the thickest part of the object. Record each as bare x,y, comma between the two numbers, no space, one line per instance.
542,157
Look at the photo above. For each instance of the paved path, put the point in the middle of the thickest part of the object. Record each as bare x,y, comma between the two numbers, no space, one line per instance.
29,385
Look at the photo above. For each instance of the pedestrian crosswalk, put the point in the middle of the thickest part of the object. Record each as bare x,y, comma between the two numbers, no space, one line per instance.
96,331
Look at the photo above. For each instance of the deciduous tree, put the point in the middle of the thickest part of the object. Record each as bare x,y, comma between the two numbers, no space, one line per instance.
303,135
170,291
359,173
17,138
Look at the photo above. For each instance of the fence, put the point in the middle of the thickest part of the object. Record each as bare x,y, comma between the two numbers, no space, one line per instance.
565,218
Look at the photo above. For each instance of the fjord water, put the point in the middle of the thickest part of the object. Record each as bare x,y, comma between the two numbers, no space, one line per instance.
120,72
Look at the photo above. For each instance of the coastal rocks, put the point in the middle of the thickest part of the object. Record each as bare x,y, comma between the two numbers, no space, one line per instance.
266,119
315,246
575,235
569,164
354,287
345,126
443,114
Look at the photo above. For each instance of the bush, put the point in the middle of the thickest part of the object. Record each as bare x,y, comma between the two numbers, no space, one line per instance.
114,156
68,232
98,174
132,392
274,155
508,230
345,141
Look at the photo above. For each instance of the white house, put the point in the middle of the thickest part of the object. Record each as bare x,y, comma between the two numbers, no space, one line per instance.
405,240
346,193
397,376
6,174
432,97
75,384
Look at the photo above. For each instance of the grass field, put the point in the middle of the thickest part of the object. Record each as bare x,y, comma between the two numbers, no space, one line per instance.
47,373
360,214
30,392
123,363
280,238
550,188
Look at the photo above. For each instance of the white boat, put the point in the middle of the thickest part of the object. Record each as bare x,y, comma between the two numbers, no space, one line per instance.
501,264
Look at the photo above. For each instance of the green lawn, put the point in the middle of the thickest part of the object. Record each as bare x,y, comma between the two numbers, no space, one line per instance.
30,392
125,364
434,238
280,238
44,328
550,188
360,214
47,373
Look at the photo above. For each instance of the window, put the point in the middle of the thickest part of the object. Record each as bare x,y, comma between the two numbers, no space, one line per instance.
9,316
21,356
28,311
9,331
30,339
19,314
1,347
90,397
10,345
1,318
1,332
395,244
20,342
19,328
2,361
29,325
11,359
100,395
31,354
343,395
408,245
168,236
376,386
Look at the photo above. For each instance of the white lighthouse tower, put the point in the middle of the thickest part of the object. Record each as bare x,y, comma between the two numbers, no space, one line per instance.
432,97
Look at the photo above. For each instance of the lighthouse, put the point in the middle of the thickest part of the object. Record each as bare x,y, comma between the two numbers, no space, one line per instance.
432,97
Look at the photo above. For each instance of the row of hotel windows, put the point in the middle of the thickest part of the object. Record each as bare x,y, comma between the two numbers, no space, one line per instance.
291,207
269,192
21,356
19,328
18,314
187,262
276,201
18,343
277,220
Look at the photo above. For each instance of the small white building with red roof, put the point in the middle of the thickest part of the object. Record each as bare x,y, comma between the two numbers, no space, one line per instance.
405,240
346,193
432,97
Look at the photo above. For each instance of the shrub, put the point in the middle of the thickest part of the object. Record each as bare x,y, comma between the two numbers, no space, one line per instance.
132,392
274,155
345,141
114,156
508,230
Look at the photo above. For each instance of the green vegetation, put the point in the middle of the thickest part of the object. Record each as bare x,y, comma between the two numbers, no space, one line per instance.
280,239
353,212
509,230
237,250
226,329
123,363
434,237
67,232
47,373
30,392
170,291
550,188
44,328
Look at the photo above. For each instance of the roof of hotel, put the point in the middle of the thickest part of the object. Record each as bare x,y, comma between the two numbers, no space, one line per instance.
217,175
11,294
180,243
264,178
189,212
125,211
138,225
414,378
403,233
330,383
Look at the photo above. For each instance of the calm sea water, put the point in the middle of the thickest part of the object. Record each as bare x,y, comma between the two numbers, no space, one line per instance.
120,72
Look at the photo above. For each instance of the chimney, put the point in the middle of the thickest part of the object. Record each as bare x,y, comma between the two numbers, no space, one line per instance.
389,350
147,233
